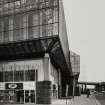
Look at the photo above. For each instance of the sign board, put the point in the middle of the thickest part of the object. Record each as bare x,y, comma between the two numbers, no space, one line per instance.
14,85
29,86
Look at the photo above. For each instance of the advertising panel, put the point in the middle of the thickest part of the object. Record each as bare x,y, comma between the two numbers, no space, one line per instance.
14,85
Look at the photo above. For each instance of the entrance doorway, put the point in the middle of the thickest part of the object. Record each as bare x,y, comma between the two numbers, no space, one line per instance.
17,96
29,96
13,96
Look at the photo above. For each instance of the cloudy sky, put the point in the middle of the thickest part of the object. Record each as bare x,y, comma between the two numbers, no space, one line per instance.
85,21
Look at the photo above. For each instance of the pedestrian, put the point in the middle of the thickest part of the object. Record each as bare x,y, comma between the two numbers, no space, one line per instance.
88,93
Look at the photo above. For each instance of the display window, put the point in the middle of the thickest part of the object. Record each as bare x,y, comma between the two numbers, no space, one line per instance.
17,85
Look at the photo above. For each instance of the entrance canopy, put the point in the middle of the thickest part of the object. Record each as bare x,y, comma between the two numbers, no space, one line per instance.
36,48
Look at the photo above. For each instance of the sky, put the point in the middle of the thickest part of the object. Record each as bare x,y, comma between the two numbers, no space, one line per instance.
85,21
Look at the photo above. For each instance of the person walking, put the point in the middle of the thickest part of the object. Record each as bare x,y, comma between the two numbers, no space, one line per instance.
88,93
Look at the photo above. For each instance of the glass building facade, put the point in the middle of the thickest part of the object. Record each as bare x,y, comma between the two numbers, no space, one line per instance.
31,29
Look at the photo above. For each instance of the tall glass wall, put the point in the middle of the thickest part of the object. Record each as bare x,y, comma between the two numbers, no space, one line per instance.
26,19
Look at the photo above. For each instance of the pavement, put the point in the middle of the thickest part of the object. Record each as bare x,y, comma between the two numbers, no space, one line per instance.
100,97
78,100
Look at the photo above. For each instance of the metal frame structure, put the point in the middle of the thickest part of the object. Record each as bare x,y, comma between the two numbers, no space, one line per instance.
31,28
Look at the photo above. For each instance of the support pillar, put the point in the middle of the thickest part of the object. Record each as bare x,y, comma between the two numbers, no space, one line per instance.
82,89
46,67
85,88
73,86
43,88
59,84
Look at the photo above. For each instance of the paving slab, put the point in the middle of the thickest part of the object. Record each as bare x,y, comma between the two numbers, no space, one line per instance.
78,100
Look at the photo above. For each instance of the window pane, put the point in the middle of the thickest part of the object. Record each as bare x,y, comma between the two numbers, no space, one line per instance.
5,8
27,96
49,29
17,4
17,26
55,15
49,15
35,32
6,24
30,32
17,21
25,21
1,96
35,19
1,37
25,33
32,96
1,73
43,19
11,7
30,75
18,75
30,20
8,74
43,31
23,2
55,29
6,36
35,3
1,76
11,35
1,10
20,96
55,2
10,23
16,35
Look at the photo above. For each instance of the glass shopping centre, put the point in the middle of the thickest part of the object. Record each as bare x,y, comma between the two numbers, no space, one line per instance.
34,51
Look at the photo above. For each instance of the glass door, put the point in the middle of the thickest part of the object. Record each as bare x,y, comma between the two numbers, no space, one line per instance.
19,96
29,96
